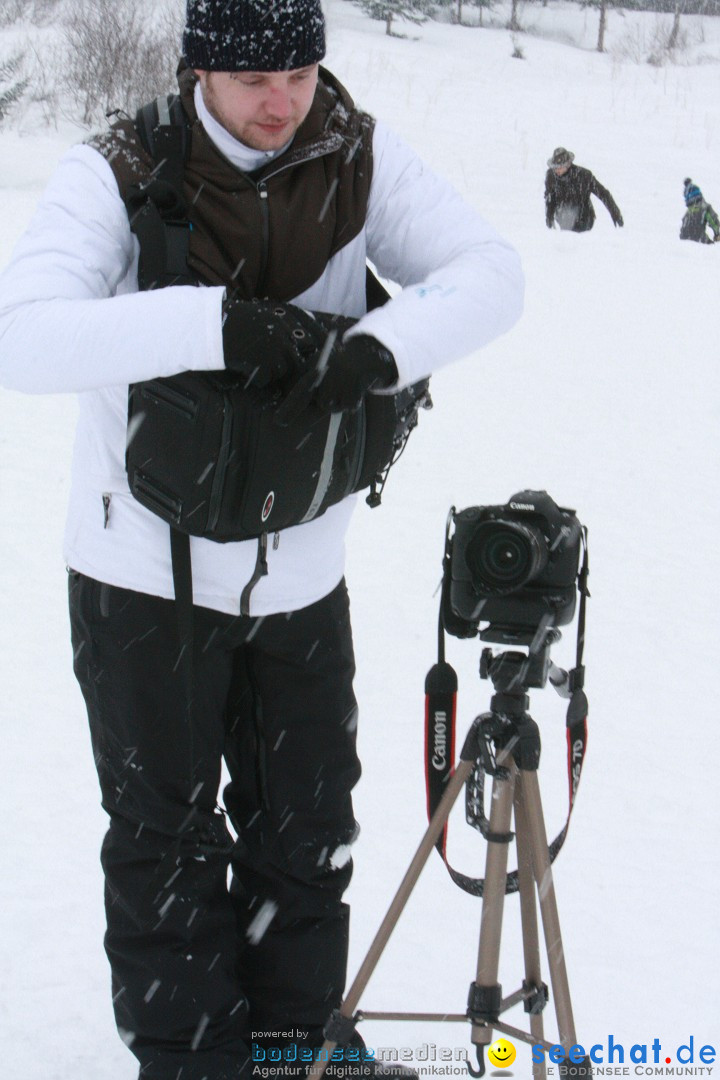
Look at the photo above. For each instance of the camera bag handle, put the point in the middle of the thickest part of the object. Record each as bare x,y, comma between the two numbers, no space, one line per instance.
441,687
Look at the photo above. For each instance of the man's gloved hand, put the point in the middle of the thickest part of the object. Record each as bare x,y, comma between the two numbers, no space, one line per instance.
341,379
549,222
267,341
618,220
355,366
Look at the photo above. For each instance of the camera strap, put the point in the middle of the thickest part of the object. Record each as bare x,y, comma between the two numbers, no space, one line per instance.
441,685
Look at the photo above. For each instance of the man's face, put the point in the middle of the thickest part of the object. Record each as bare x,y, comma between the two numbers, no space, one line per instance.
561,170
261,109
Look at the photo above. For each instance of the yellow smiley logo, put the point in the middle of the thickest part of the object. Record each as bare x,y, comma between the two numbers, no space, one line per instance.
501,1053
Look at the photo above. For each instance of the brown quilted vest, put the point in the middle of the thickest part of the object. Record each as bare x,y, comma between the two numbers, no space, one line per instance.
272,232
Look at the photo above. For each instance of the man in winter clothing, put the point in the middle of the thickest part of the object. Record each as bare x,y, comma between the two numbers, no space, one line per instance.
699,216
290,188
568,189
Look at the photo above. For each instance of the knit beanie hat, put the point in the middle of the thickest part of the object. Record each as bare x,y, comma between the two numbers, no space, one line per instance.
691,191
253,35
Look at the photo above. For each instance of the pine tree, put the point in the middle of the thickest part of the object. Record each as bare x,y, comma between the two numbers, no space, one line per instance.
416,11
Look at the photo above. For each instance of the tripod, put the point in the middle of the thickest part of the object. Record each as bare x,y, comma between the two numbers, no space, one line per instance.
504,743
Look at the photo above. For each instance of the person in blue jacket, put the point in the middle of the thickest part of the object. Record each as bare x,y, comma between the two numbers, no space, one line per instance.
699,216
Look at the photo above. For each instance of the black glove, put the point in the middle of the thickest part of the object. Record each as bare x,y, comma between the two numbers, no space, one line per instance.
355,366
267,341
618,220
549,222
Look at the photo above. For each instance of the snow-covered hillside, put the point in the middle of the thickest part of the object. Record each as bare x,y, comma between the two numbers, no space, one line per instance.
606,395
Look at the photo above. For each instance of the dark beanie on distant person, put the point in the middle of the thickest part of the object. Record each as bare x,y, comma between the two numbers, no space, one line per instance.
253,35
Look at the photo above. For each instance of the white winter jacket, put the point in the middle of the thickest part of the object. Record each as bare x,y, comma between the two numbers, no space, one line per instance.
71,319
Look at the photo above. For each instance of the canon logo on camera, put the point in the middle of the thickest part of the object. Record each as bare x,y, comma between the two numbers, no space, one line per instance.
521,506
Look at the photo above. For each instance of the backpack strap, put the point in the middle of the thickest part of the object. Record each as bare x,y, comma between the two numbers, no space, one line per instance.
164,131
156,208
159,218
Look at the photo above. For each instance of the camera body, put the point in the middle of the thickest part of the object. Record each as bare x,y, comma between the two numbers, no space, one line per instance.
513,566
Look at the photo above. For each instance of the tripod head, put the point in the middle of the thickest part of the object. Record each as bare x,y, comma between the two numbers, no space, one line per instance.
507,727
515,671
507,730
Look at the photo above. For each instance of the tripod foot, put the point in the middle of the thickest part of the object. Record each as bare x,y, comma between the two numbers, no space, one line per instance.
480,1071
575,1070
339,1028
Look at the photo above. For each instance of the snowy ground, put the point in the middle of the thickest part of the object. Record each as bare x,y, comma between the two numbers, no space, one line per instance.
607,396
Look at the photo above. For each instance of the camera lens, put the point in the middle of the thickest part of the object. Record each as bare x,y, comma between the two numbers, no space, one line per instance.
502,556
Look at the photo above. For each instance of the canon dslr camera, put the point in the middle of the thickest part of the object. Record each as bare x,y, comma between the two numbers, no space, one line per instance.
513,566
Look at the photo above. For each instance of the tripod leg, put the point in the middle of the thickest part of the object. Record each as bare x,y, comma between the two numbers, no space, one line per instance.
341,1024
548,907
529,922
486,993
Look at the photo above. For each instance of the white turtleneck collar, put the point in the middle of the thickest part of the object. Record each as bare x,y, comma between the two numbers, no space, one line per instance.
242,157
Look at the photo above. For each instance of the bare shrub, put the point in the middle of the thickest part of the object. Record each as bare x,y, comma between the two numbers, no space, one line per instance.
665,44
632,46
667,41
13,84
116,57
47,65
12,11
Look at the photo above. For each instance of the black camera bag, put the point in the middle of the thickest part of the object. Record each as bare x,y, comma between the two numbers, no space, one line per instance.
206,454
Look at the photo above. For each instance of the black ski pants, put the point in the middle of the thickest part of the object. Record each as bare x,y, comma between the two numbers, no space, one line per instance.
199,966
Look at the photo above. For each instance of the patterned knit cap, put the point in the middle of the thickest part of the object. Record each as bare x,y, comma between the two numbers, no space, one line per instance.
253,35
691,191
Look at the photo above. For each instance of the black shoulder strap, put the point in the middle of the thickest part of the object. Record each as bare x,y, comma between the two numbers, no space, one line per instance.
157,209
159,218
164,131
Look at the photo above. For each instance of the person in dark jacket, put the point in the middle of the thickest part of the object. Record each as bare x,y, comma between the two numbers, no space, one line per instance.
698,216
568,189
